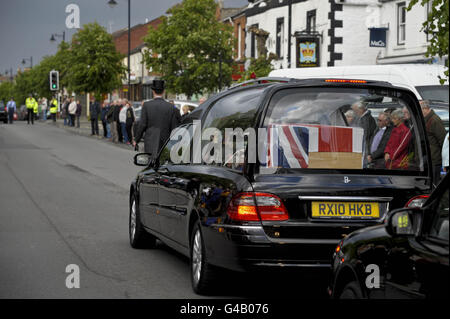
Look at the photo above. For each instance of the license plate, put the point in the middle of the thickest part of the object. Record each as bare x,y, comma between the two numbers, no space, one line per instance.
345,210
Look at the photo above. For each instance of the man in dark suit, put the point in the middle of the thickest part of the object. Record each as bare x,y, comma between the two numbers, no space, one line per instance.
366,121
94,112
158,119
379,140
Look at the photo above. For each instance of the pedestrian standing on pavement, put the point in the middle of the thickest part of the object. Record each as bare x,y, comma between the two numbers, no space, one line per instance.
72,111
131,118
53,109
436,135
78,113
119,127
36,111
158,119
366,121
30,102
104,111
44,109
11,108
94,112
123,122
64,114
112,121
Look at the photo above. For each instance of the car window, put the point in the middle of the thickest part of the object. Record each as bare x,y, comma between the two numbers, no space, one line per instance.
177,149
341,128
234,111
439,227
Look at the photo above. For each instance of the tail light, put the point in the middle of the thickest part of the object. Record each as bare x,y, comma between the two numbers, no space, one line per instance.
417,201
257,207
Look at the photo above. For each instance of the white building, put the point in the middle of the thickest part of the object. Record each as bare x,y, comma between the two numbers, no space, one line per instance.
336,32
405,40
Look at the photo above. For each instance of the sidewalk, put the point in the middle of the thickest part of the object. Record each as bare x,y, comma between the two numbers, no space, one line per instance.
85,130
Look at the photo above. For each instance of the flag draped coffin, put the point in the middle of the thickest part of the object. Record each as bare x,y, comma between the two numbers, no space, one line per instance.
315,146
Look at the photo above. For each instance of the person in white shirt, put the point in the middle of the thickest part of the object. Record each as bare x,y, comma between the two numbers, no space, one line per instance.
123,122
44,109
72,111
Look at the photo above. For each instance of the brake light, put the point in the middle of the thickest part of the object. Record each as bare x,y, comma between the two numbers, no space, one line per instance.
417,201
257,207
344,81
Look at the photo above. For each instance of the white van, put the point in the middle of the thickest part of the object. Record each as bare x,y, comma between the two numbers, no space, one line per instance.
422,79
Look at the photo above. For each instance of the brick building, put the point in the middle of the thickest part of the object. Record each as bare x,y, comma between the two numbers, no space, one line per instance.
140,76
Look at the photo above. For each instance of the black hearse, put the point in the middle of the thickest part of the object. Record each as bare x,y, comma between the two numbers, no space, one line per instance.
290,200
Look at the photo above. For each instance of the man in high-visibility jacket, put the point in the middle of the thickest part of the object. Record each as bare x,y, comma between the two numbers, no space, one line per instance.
31,103
36,111
53,109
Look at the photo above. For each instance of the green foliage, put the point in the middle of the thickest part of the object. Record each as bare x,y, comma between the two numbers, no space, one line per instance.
261,67
187,46
94,64
25,84
436,26
6,91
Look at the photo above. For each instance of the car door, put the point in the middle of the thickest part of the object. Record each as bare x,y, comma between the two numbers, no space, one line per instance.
418,267
148,204
172,196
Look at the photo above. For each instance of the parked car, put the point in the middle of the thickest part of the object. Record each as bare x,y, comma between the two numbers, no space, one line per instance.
441,109
422,79
265,212
409,253
179,104
3,112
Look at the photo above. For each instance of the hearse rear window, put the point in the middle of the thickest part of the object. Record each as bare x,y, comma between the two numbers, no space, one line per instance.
333,128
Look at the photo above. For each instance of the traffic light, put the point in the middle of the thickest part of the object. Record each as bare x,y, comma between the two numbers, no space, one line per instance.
54,80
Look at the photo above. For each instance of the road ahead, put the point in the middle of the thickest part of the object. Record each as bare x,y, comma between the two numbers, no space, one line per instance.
64,200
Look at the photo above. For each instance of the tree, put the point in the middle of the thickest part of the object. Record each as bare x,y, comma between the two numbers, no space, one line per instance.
6,91
436,26
191,49
94,64
260,67
25,85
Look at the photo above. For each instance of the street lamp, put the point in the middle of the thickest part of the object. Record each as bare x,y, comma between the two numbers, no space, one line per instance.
26,59
112,4
63,35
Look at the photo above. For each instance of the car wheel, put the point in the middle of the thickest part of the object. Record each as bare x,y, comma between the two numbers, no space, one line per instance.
139,237
203,275
352,291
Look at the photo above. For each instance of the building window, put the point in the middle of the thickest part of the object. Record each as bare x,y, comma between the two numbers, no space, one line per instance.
311,21
280,38
401,23
253,43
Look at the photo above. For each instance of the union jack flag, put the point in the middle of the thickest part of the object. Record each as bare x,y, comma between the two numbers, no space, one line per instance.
303,146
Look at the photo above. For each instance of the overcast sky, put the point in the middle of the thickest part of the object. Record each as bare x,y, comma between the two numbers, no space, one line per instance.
26,25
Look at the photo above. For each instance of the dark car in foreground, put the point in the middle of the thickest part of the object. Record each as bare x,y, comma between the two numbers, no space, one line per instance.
409,254
289,201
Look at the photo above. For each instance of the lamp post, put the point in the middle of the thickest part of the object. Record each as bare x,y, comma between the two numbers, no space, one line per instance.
28,59
112,4
63,35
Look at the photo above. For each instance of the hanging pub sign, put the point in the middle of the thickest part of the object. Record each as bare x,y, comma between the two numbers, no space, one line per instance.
308,53
377,37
